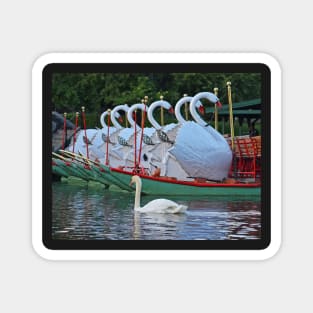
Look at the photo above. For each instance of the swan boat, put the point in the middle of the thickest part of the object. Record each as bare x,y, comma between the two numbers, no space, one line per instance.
161,185
173,187
72,164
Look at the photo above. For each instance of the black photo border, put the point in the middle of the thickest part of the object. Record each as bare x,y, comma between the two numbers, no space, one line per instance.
47,106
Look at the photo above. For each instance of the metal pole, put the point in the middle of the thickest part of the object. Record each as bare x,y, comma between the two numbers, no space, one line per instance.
186,108
126,120
142,127
135,142
64,131
84,121
215,110
108,139
231,118
76,126
162,113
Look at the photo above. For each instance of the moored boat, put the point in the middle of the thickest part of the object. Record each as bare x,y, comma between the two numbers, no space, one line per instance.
160,185
171,186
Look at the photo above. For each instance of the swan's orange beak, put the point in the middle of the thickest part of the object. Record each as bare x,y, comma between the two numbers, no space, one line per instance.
120,119
219,104
171,110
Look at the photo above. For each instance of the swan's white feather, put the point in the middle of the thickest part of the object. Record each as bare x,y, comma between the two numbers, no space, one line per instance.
162,206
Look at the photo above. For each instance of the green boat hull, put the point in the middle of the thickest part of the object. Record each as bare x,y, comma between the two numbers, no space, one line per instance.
154,186
99,176
107,175
59,171
71,169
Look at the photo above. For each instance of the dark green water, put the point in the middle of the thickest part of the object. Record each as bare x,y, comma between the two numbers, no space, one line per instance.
82,212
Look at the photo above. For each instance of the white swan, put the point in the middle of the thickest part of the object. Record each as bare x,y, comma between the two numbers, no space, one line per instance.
157,205
126,135
154,155
95,138
115,127
126,147
200,149
123,107
180,103
172,130
98,148
218,137
158,156
113,158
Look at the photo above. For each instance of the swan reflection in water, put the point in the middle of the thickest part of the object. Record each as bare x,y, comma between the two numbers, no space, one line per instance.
152,225
81,212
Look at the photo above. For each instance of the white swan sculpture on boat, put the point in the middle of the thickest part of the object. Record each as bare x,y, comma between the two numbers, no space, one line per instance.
121,107
157,156
157,205
113,158
126,139
172,129
155,142
201,150
153,155
94,137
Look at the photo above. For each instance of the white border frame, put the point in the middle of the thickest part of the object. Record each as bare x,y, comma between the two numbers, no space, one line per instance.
276,194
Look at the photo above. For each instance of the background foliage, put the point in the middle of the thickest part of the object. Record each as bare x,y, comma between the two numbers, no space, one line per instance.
100,91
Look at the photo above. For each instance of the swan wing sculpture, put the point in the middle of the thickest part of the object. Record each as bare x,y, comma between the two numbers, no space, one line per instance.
157,205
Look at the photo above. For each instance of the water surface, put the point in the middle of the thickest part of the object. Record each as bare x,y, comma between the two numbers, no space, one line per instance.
84,212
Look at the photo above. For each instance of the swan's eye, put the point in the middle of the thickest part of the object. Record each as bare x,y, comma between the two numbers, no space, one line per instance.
145,157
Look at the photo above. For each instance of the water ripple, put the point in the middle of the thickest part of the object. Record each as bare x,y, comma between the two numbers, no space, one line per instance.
84,213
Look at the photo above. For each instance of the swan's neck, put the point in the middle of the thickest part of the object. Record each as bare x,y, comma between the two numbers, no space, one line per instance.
195,114
123,107
138,194
102,119
114,121
178,106
207,95
151,119
130,114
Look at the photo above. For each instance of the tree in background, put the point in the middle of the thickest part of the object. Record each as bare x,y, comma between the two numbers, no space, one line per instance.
100,91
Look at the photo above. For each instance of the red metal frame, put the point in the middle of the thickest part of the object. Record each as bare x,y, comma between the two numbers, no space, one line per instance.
246,157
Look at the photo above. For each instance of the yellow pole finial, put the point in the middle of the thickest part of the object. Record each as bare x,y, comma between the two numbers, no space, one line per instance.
216,110
186,108
162,112
231,117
